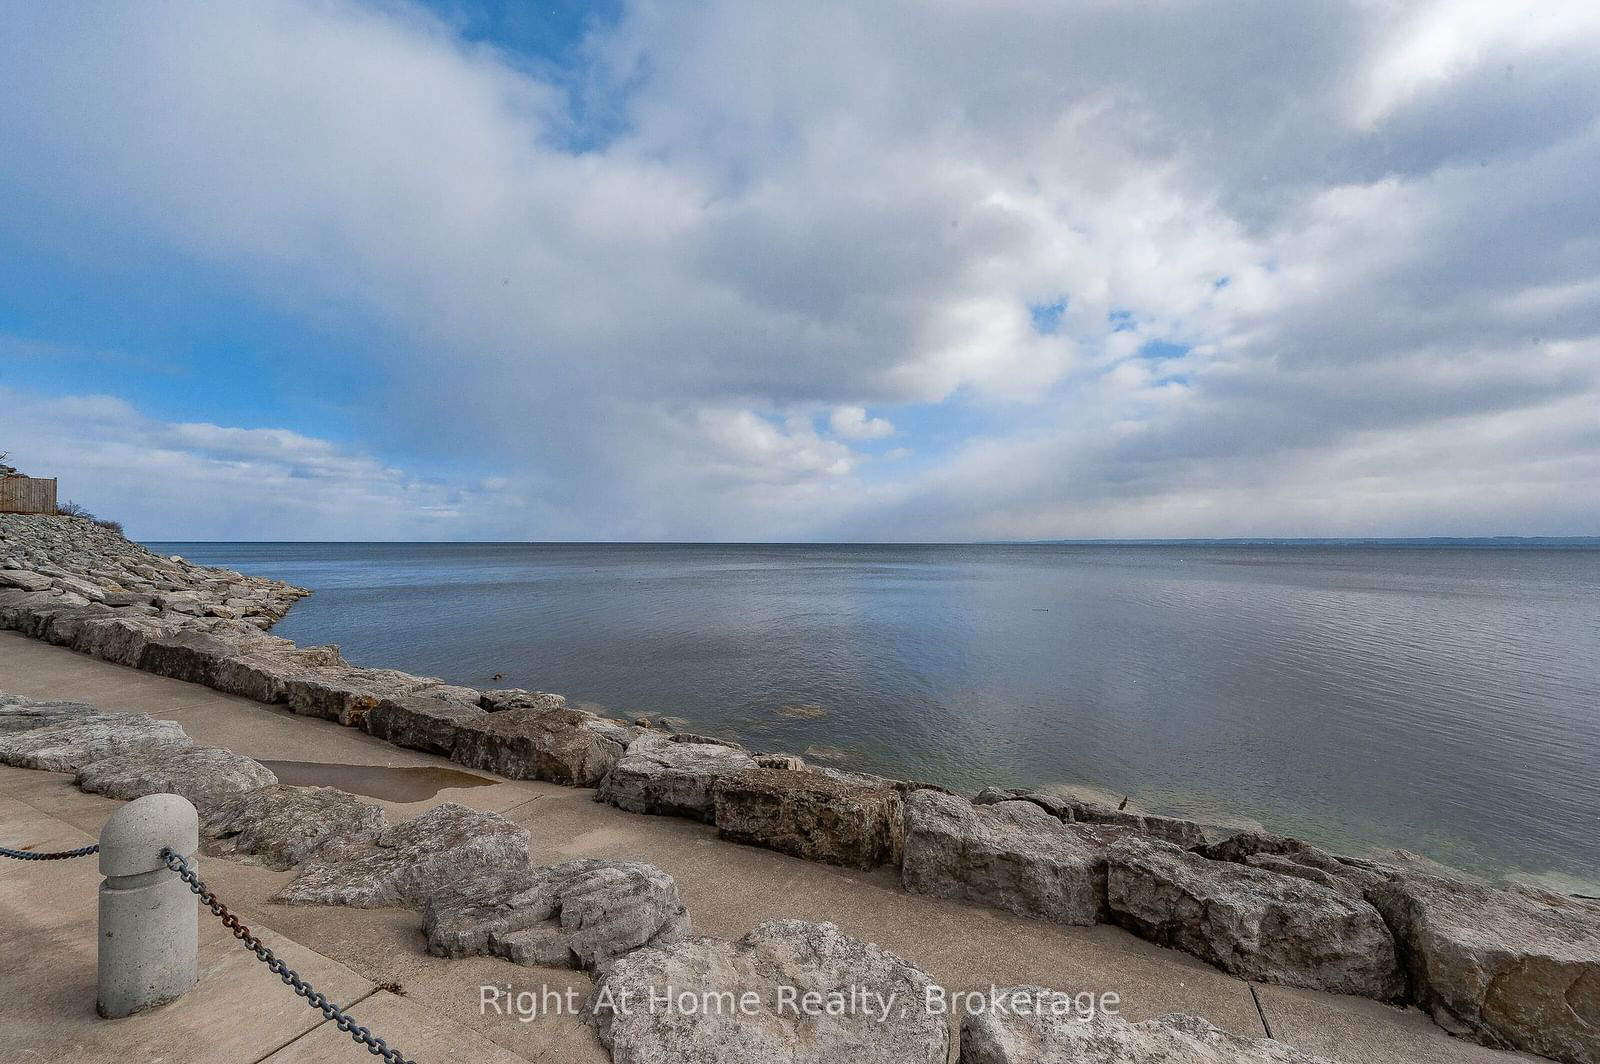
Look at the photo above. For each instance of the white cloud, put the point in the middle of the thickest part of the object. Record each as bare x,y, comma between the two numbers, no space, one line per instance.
168,480
852,423
1359,219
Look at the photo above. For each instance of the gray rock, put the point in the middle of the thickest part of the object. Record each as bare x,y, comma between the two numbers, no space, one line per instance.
1058,1034
342,694
810,816
517,698
121,638
1290,857
409,862
86,588
1254,923
1186,833
421,723
1011,855
281,826
559,745
181,602
579,914
22,578
68,745
266,670
802,957
662,776
19,714
1514,969
196,773
786,762
190,655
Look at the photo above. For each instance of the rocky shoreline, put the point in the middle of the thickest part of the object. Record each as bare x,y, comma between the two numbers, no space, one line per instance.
1509,967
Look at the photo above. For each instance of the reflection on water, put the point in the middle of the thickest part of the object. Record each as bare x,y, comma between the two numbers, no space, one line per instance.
1444,701
415,784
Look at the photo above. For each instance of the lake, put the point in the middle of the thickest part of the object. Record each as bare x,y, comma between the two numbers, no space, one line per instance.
1443,700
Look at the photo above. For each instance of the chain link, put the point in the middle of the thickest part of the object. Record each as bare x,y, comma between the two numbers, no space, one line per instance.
315,998
59,855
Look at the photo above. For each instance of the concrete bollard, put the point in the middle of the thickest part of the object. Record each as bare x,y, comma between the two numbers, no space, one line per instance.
149,919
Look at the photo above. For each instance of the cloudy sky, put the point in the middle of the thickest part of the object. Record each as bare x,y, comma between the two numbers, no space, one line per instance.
943,269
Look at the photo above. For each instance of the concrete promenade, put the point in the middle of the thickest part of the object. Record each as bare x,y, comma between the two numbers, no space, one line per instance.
429,1008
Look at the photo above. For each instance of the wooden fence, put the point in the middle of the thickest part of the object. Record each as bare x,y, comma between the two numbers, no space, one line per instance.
27,495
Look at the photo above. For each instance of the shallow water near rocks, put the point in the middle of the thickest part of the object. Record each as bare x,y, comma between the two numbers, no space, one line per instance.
415,784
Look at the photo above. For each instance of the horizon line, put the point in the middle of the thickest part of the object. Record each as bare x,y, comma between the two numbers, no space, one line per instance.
1086,542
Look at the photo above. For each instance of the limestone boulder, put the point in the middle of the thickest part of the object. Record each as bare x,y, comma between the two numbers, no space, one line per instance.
197,773
407,863
811,816
18,714
68,745
1047,1029
267,668
1514,969
188,654
1011,855
560,745
1188,834
1252,922
24,580
280,826
517,698
767,975
189,602
119,638
342,694
421,723
580,914
78,586
1291,857
665,776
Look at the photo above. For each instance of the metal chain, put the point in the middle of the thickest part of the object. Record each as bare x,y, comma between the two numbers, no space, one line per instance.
315,998
59,855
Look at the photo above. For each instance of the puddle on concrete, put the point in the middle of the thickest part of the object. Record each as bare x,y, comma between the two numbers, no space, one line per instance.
376,781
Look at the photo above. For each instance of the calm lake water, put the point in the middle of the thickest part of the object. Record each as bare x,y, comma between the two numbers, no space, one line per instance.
1442,700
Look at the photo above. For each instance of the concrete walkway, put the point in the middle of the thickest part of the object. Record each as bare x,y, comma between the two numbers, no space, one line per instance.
430,1008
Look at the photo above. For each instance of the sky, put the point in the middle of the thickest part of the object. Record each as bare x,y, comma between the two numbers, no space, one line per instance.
934,270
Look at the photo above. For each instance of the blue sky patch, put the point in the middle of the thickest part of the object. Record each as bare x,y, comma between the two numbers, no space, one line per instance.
1047,316
1158,349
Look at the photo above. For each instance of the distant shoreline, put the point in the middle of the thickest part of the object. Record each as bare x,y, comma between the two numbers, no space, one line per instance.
1491,542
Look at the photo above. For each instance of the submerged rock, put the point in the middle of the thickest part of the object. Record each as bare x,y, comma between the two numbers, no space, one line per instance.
579,914
281,826
1254,923
669,777
196,773
811,816
1514,969
784,957
1058,1035
68,745
1011,855
407,863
